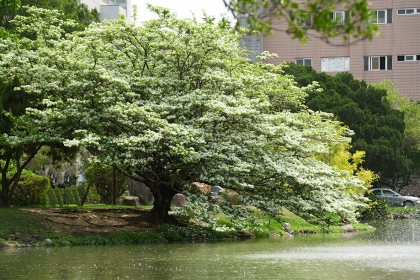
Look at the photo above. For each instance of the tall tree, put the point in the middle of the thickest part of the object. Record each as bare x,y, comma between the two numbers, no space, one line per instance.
378,129
176,101
411,111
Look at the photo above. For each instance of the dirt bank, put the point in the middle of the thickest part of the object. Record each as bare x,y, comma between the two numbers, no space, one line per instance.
90,221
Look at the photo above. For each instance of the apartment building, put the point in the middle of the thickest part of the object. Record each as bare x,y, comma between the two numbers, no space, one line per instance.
110,9
396,56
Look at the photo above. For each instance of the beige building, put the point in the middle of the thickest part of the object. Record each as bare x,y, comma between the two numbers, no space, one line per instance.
110,9
396,56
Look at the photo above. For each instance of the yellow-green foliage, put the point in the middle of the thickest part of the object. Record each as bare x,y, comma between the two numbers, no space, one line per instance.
31,190
340,157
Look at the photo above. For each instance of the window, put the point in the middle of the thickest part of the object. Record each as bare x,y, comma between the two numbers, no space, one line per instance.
408,11
304,61
381,16
339,17
375,63
335,64
388,193
408,57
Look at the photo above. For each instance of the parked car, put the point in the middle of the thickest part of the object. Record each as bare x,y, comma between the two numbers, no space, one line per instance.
395,198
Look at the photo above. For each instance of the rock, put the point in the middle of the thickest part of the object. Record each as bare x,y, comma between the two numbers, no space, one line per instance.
204,188
197,223
47,242
14,236
179,200
348,228
144,224
231,197
140,190
247,234
131,200
288,228
7,245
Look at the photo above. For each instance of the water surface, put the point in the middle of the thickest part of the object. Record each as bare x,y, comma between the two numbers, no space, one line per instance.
392,252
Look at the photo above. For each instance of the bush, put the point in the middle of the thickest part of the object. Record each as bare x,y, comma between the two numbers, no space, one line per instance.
31,190
76,195
52,197
378,208
68,196
59,195
195,233
92,196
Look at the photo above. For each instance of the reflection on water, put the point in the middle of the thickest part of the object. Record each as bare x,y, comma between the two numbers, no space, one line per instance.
392,252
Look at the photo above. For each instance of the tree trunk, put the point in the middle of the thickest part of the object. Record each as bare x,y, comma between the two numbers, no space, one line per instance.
163,195
85,196
4,192
4,198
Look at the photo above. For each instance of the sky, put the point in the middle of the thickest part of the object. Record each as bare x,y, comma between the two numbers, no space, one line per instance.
184,8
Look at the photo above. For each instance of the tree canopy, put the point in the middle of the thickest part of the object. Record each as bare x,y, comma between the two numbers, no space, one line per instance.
177,101
378,129
411,111
303,16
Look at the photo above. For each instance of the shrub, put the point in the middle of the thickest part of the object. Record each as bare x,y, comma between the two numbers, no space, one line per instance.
31,190
378,208
76,195
92,196
52,197
195,233
59,195
68,196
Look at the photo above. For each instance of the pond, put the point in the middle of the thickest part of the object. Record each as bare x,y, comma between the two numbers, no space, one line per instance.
391,252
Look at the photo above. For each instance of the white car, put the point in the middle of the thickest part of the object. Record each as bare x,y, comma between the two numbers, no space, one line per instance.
395,198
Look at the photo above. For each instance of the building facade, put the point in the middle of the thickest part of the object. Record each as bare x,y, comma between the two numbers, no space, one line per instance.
110,9
395,56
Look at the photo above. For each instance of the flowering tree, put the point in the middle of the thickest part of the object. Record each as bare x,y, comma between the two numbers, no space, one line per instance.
176,101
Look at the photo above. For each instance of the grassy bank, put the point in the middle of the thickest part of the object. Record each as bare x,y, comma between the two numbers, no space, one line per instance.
23,227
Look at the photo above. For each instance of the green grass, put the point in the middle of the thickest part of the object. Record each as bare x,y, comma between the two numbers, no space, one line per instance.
13,220
415,210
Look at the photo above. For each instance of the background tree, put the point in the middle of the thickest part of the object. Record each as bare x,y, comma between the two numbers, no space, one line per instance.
176,101
70,10
101,177
378,129
260,14
411,111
